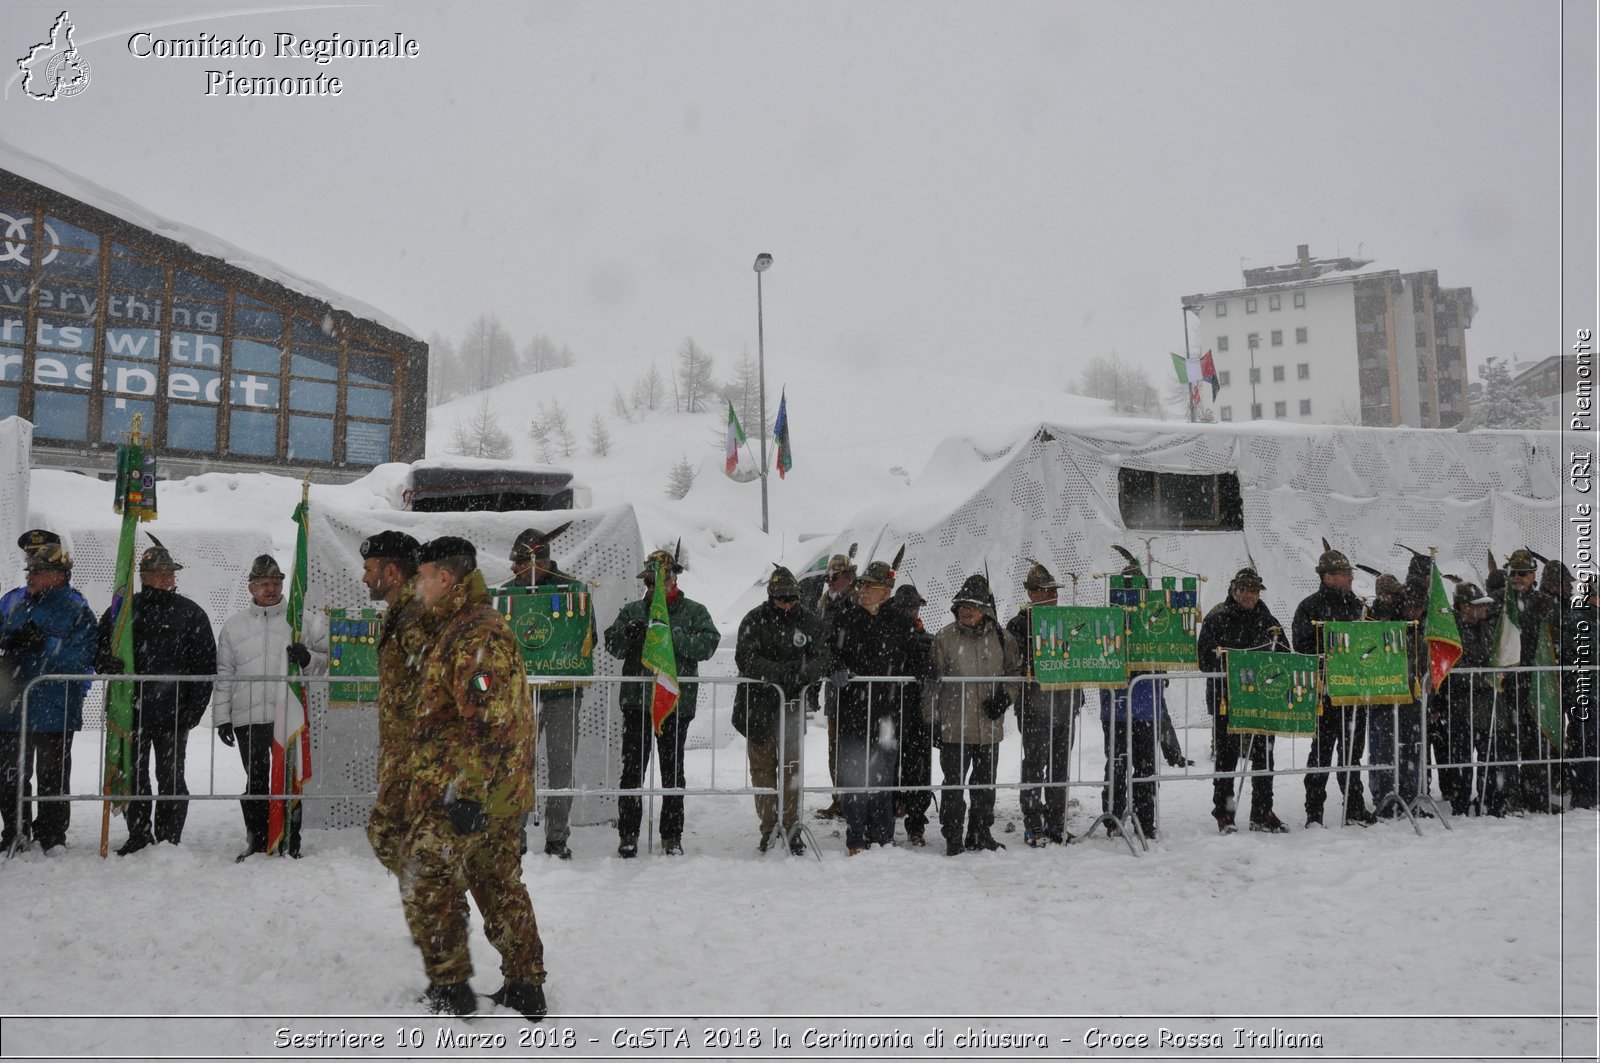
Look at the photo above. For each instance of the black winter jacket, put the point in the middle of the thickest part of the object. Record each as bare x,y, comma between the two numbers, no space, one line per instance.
171,636
784,647
1232,627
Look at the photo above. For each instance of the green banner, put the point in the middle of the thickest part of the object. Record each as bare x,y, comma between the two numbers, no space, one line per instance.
1271,693
1163,621
1365,662
352,654
1078,646
554,625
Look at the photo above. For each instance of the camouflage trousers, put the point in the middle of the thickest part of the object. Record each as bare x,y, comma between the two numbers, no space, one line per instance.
440,868
388,825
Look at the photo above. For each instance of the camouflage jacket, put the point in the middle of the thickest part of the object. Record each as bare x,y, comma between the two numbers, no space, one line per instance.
474,732
401,648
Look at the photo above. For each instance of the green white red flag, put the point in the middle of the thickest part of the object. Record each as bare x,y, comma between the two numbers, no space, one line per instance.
1441,631
735,440
291,729
658,655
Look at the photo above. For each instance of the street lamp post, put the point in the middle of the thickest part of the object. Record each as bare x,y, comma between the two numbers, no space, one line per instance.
763,263
1187,307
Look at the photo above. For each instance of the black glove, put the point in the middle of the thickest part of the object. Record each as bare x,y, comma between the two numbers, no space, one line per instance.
635,629
839,677
996,704
29,638
299,656
225,732
467,817
109,665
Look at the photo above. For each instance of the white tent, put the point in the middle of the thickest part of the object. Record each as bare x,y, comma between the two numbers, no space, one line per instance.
1064,494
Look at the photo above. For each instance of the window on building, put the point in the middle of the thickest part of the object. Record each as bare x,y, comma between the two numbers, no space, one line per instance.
1274,302
1222,344
1303,371
1250,305
1255,411
1225,377
1277,374
1253,340
1300,335
1225,412
1305,407
1255,375
1280,410
1222,308
1277,337
1179,500
1299,300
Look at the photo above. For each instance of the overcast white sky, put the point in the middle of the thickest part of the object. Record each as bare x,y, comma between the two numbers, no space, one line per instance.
1012,187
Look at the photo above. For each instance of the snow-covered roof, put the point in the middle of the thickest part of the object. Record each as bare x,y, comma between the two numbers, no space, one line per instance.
42,172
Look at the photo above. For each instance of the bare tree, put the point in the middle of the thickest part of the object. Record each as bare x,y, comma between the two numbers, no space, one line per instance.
543,445
599,436
649,389
695,382
443,374
480,435
488,355
555,419
540,354
681,478
744,391
1128,388
619,404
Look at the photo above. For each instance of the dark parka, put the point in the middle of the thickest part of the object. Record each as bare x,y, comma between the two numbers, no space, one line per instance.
1323,604
694,638
171,636
782,647
1230,626
869,644
1469,699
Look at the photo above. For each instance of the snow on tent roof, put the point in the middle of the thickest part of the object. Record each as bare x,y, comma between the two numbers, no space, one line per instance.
1055,494
39,171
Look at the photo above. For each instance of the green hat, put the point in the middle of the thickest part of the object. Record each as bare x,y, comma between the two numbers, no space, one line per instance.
782,584
975,591
1247,579
157,559
1039,579
840,563
878,572
1521,561
1333,561
265,567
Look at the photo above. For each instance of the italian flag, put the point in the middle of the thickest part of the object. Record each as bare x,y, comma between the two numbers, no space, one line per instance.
730,459
658,656
1442,633
291,731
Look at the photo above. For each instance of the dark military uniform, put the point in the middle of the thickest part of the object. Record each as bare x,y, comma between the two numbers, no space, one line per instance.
783,647
1231,626
1343,728
869,644
1460,716
1533,780
1045,719
694,638
474,742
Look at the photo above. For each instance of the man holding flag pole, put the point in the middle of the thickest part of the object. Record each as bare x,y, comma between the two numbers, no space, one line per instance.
663,635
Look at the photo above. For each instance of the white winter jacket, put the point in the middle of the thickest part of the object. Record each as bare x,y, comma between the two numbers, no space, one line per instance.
256,642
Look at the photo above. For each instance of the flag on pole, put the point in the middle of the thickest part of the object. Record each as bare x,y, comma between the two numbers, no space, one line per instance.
1208,373
1508,638
1547,691
658,655
780,433
1441,631
134,497
291,732
735,441
1189,372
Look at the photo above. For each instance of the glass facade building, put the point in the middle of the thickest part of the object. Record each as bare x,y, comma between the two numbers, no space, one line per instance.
101,318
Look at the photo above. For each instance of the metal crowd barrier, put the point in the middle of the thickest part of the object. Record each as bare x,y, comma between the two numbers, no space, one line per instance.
1506,759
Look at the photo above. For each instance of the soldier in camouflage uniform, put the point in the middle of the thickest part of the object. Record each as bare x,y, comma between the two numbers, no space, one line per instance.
472,781
389,561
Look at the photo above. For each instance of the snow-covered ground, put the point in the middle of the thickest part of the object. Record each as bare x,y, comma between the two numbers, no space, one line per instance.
191,955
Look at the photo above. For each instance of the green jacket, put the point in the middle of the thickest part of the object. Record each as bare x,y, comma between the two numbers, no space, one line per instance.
694,638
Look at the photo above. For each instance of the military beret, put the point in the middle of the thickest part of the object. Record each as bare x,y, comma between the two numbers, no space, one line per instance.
435,550
396,545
